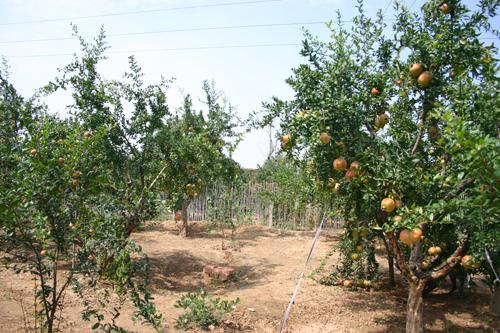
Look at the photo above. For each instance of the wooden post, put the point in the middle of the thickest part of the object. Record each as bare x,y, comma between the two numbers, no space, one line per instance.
270,217
295,214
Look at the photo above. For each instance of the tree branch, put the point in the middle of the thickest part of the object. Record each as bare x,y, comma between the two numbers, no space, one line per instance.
63,288
427,105
367,125
157,177
403,266
443,269
415,257
463,185
370,130
417,141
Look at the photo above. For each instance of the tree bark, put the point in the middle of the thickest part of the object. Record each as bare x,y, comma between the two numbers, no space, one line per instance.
390,262
415,308
184,232
381,217
495,300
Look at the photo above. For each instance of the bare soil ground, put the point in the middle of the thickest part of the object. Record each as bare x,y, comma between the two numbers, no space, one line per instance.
268,263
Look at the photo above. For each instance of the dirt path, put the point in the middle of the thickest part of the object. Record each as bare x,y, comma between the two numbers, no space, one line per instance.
268,263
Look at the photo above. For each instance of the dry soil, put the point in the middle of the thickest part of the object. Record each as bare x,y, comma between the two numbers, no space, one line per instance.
268,263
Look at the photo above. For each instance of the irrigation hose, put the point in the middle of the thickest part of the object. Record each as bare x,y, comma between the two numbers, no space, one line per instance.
292,299
497,280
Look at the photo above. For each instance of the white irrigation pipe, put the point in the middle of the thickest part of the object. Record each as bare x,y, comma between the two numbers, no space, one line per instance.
289,307
492,267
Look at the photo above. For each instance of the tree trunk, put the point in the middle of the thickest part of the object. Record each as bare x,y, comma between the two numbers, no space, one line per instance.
495,300
390,262
415,308
184,232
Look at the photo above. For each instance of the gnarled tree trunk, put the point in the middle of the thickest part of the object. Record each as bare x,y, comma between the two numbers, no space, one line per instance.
418,279
415,308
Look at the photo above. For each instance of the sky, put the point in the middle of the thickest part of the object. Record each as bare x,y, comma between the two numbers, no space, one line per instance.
247,74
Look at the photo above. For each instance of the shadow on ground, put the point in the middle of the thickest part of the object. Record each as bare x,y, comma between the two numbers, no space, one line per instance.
392,306
183,272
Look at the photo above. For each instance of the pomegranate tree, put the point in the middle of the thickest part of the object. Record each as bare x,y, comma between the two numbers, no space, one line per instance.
426,142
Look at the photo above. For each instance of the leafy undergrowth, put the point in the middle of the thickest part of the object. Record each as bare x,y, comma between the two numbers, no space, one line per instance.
204,312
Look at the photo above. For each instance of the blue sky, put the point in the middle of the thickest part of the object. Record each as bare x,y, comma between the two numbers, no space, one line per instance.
248,76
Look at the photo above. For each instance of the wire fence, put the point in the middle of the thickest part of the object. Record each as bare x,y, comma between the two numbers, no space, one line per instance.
250,203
